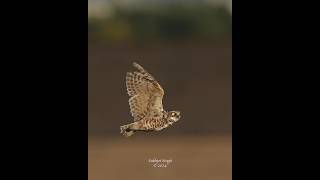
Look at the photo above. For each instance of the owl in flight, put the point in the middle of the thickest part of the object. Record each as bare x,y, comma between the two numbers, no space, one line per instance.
146,104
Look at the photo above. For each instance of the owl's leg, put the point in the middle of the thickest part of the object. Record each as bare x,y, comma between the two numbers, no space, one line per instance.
128,130
135,126
124,128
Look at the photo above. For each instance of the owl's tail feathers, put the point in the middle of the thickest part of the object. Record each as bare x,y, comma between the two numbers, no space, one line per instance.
126,131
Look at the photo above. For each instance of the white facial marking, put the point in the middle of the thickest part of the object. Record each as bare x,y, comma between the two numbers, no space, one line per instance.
175,119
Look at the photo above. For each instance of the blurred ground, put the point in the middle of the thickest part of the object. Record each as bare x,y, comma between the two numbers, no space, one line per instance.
194,158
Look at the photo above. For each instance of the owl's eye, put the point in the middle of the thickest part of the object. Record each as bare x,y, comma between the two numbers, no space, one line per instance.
172,114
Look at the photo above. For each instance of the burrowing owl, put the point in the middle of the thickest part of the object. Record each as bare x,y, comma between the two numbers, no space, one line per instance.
146,104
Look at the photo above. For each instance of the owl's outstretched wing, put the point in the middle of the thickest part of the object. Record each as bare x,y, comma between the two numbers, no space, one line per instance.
145,94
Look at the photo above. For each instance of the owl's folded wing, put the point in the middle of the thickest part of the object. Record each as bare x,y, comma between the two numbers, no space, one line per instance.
146,94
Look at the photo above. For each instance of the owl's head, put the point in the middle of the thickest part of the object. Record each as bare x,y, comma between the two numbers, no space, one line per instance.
173,116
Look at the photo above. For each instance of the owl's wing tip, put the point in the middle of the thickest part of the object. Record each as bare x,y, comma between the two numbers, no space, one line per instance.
138,66
134,63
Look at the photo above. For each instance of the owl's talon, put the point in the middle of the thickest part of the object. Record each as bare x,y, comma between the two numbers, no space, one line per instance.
123,129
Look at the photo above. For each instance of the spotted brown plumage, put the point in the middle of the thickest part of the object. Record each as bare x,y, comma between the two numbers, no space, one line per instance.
145,103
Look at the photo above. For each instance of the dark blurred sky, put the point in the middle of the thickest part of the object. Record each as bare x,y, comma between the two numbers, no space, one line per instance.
194,72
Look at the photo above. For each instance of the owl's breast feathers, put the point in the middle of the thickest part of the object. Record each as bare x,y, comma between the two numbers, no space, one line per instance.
153,123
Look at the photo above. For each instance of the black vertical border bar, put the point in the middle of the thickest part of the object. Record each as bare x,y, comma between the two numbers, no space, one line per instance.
48,89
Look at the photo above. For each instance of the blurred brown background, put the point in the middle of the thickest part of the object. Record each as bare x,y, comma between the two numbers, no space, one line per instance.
187,48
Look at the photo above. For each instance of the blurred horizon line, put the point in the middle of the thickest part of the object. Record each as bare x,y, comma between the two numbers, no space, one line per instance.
104,8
